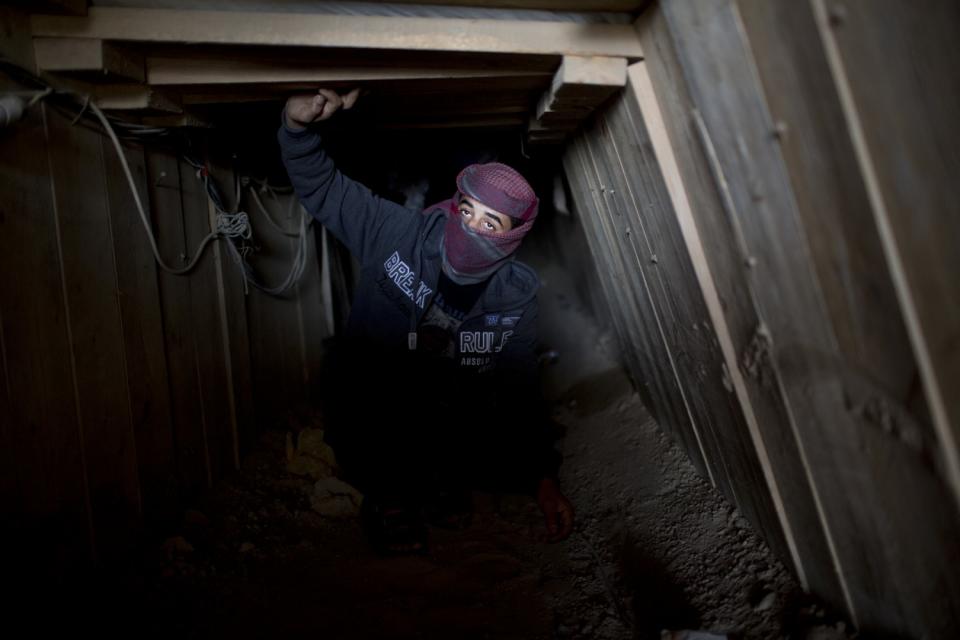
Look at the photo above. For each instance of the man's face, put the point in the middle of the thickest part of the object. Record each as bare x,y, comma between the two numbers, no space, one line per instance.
479,217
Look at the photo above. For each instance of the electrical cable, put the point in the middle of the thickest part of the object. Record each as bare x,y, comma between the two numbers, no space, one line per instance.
266,214
232,226
143,214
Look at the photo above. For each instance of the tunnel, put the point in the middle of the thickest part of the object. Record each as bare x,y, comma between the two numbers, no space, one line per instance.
747,319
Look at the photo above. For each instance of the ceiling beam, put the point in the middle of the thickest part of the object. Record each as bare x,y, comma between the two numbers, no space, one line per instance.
88,58
200,71
72,7
361,32
131,97
580,85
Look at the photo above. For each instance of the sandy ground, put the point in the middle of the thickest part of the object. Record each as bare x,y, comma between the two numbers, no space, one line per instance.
655,547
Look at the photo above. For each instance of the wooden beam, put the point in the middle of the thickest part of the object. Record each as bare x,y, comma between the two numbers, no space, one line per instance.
580,6
444,95
361,32
176,120
501,121
579,86
180,71
69,7
583,82
89,58
121,97
625,6
579,72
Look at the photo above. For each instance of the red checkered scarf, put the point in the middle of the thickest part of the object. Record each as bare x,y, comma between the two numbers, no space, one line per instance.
471,256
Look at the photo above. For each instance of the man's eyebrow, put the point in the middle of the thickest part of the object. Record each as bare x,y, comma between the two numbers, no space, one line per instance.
493,217
464,201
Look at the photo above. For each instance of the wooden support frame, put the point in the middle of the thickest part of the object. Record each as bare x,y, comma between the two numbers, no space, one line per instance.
68,7
163,71
88,58
123,97
360,32
579,86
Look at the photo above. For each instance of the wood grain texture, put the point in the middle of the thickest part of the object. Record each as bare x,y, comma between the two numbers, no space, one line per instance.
214,386
96,331
638,204
627,292
277,351
142,318
727,259
94,60
362,32
909,165
133,97
685,296
866,513
205,71
231,302
43,478
186,408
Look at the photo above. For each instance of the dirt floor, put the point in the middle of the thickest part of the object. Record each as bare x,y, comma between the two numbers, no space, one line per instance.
277,551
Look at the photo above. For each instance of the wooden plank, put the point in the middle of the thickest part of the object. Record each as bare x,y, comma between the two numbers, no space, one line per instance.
362,32
187,119
42,482
557,122
311,57
618,171
584,74
313,320
93,311
163,184
736,329
131,97
215,387
586,212
404,95
15,41
612,6
626,291
232,305
275,347
867,513
204,71
691,340
93,60
737,437
504,121
142,320
909,175
581,83
68,7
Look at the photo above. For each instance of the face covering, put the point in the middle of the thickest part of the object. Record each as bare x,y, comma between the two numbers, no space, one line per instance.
471,256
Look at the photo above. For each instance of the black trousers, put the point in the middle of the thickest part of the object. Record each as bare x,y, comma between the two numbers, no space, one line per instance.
401,431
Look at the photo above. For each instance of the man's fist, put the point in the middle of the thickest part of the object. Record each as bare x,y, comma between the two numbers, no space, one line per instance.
302,109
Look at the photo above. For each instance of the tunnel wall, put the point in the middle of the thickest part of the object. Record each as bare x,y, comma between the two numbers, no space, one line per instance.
769,204
124,389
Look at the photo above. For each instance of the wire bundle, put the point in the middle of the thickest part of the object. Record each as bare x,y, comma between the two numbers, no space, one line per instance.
233,226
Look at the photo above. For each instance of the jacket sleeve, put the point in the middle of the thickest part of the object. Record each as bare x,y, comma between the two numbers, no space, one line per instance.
356,216
522,401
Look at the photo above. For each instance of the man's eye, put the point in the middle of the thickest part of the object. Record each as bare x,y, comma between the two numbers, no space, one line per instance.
464,212
489,226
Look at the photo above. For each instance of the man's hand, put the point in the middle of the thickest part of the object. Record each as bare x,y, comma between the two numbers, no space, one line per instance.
556,509
302,109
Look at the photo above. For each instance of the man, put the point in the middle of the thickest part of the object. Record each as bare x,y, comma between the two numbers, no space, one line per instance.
435,384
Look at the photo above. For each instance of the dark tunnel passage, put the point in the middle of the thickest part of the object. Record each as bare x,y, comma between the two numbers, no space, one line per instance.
277,549
258,383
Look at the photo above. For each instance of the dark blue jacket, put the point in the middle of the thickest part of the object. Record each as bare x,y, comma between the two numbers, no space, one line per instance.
399,251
